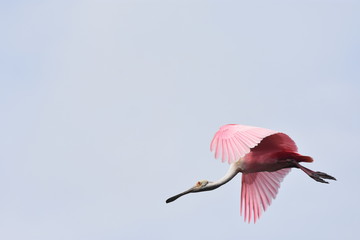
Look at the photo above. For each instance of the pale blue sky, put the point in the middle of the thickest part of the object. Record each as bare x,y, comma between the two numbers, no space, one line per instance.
108,108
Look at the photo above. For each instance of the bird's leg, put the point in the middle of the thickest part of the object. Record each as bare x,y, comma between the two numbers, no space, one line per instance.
317,176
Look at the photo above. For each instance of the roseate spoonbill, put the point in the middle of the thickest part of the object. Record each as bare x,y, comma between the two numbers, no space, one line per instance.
263,156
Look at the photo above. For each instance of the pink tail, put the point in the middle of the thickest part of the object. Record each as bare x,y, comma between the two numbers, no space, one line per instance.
293,155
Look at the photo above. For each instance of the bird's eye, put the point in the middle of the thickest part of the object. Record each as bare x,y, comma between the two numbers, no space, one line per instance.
198,183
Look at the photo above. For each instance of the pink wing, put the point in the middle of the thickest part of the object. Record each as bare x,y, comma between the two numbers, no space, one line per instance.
234,141
258,190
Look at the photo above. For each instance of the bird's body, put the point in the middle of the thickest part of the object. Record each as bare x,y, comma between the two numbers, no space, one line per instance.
270,154
264,157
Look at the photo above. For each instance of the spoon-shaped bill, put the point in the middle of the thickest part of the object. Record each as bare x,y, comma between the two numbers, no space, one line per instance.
178,195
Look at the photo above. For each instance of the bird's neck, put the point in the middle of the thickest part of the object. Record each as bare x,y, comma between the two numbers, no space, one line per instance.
230,174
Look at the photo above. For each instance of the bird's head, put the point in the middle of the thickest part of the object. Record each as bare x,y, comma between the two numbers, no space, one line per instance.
198,187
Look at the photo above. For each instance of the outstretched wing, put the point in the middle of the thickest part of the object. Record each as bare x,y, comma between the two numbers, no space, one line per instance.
234,141
258,190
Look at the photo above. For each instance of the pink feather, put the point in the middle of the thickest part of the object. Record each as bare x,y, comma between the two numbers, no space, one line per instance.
244,137
257,147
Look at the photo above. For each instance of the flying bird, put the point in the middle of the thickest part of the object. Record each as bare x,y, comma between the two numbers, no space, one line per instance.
263,156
